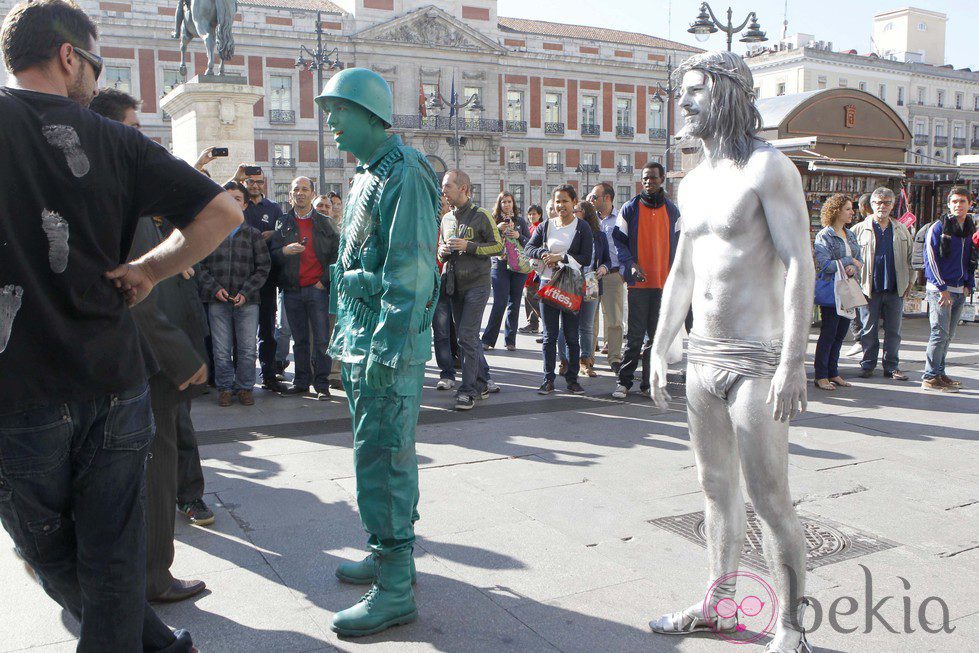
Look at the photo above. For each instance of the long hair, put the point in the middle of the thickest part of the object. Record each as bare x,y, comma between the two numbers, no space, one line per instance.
498,207
590,215
733,119
830,211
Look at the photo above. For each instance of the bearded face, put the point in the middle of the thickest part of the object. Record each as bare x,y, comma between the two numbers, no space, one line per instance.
695,104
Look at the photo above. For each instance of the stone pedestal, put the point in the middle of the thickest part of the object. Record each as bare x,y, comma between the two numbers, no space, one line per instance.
214,111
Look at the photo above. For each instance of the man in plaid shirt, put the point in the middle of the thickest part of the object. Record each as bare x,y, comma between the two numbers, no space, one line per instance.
231,279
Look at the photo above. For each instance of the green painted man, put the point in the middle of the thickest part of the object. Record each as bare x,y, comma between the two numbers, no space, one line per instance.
384,289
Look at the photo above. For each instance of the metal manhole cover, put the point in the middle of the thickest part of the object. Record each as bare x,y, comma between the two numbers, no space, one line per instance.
825,544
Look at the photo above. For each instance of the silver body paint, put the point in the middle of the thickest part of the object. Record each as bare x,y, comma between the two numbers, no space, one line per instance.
56,229
65,138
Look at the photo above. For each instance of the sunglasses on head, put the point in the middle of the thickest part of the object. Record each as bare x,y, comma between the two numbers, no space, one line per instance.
95,60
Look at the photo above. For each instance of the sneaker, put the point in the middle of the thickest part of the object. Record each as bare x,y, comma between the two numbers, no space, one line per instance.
294,390
224,398
465,402
621,392
947,380
511,348
527,330
539,341
273,385
245,398
897,375
482,394
865,374
323,394
546,388
575,388
488,347
936,384
197,512
445,384
855,350
492,388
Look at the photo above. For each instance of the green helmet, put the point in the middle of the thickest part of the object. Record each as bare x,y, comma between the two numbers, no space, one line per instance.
361,86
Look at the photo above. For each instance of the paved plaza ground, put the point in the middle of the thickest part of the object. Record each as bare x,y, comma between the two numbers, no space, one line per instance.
539,526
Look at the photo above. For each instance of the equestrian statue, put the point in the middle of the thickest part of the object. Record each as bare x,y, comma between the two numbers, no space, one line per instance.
210,20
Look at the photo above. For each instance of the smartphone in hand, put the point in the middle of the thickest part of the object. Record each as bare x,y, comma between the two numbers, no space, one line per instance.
219,151
304,241
253,170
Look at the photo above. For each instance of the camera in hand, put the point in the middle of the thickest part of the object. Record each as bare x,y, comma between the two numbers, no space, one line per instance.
219,151
253,170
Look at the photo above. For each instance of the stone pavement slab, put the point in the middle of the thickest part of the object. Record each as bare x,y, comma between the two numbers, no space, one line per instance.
535,532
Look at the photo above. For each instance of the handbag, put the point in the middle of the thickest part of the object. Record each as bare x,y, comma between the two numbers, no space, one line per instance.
564,290
848,294
908,219
516,260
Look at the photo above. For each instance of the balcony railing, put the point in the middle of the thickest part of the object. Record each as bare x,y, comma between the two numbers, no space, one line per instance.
446,123
516,166
332,163
624,169
921,139
590,168
282,116
553,127
283,162
623,131
590,129
555,167
519,126
657,133
941,141
958,142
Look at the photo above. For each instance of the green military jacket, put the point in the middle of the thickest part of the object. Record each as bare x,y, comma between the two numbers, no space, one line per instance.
385,281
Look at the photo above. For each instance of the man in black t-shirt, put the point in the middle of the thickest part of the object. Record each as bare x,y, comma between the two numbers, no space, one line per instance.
75,420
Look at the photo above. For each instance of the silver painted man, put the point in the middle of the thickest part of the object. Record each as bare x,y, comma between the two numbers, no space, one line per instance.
744,263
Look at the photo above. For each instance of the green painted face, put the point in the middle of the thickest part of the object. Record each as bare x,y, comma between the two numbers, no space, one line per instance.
355,129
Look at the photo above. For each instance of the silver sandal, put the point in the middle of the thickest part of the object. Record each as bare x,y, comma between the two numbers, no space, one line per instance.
681,623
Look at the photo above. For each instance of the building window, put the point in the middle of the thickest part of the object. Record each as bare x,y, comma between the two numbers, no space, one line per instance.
656,118
900,96
922,27
920,129
780,88
282,155
623,194
921,95
171,79
959,100
975,132
280,99
821,82
281,192
514,105
589,158
431,93
552,107
518,195
477,194
515,156
119,78
882,92
623,113
843,82
553,158
940,129
862,86
589,109
957,131
468,92
888,27
940,98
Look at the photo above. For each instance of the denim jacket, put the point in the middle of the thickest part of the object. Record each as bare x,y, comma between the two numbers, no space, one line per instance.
829,248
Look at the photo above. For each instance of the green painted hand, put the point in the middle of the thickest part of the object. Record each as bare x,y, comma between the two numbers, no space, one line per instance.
379,376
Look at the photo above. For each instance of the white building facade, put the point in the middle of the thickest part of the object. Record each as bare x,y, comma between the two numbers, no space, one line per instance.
561,103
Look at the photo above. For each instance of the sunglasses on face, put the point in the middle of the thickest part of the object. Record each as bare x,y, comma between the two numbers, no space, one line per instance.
95,60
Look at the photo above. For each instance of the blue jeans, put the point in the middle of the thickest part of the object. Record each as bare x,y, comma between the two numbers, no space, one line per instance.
442,336
586,331
507,292
556,320
308,310
832,332
943,320
890,307
72,479
467,312
227,322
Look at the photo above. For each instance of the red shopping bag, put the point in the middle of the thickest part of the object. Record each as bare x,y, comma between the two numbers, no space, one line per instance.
564,290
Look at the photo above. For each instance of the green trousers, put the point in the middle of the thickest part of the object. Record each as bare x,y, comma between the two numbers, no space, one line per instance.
384,455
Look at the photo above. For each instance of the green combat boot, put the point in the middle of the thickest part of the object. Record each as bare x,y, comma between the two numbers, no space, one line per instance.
365,571
389,602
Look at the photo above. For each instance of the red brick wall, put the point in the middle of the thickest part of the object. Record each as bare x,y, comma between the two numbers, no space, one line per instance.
166,11
278,20
115,6
535,157
641,159
607,111
608,159
514,43
387,5
307,152
572,104
623,53
516,79
585,49
168,55
655,57
625,88
554,46
590,86
475,13
535,108
331,25
255,78
261,150
110,52
571,159
147,80
554,81
306,109
280,62
641,110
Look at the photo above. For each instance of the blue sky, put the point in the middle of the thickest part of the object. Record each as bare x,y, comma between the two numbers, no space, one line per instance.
847,23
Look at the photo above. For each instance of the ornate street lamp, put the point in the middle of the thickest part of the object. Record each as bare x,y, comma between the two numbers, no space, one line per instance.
437,102
320,59
707,24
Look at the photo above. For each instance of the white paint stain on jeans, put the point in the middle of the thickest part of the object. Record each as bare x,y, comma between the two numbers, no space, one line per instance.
56,229
10,297
65,138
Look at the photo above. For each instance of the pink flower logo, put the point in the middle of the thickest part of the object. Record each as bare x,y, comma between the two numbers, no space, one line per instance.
756,612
